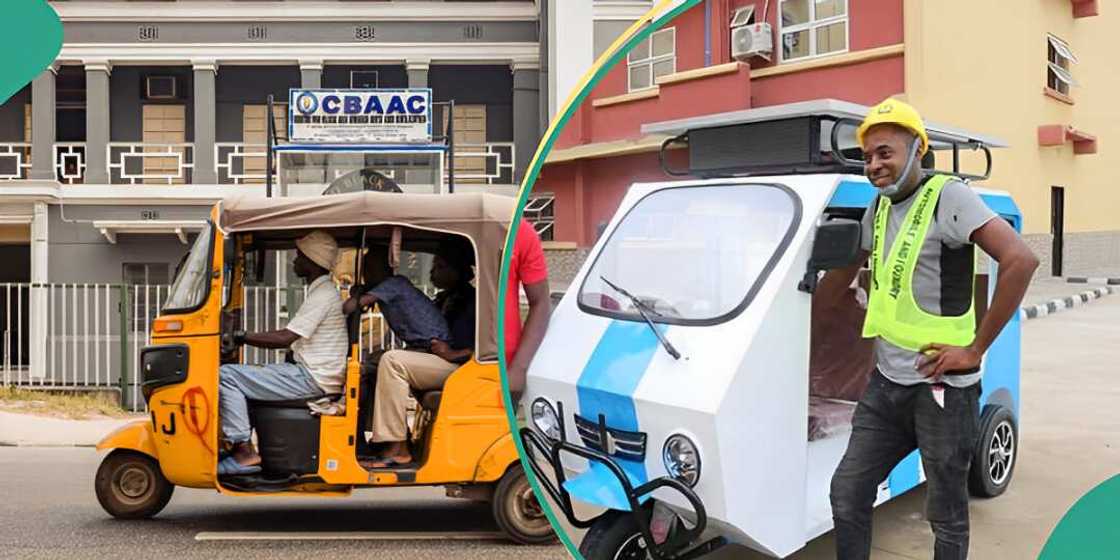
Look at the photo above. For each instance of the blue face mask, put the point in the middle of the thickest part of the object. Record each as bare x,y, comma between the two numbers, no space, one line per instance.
894,189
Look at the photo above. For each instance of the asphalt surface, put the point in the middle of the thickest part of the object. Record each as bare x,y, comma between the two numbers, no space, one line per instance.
48,510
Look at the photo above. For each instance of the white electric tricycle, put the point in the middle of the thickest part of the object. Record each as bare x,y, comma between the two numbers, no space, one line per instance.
686,387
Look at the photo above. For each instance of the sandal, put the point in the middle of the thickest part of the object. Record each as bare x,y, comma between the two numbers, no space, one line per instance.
384,463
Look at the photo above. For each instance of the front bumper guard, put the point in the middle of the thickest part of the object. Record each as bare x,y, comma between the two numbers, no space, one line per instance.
675,547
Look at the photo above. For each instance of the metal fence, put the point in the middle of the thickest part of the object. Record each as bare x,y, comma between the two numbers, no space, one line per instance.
89,336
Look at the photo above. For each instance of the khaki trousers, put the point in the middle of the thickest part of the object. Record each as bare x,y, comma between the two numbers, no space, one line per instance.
398,371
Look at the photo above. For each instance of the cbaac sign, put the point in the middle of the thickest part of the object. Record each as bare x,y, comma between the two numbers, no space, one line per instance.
360,116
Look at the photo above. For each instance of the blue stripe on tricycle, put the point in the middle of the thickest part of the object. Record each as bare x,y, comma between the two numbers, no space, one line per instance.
607,386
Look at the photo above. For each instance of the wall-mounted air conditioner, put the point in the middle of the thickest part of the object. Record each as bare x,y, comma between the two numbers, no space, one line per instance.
750,39
161,87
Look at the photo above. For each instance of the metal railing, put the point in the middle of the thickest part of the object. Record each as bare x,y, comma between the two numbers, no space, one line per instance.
238,163
15,160
70,162
490,163
131,163
89,336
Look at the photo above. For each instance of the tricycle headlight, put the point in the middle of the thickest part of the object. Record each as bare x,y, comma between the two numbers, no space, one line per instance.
682,459
545,419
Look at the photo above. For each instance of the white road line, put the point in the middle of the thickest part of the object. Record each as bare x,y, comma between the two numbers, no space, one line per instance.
343,536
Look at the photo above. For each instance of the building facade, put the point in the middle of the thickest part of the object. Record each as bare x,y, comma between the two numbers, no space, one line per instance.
961,72
154,110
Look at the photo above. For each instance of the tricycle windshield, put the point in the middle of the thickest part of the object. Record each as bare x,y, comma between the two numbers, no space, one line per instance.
192,280
691,255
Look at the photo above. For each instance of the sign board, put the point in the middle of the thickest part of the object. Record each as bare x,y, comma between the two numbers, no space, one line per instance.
360,116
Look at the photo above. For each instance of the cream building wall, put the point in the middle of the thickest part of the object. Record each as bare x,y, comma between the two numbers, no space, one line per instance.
982,66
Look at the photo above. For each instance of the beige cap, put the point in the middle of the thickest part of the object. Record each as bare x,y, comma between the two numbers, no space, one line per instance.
320,247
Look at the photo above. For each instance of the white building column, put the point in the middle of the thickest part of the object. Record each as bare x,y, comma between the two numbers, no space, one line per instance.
97,121
205,121
43,125
417,70
310,75
570,48
526,113
39,275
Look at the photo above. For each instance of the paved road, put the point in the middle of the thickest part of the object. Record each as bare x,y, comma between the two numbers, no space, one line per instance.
48,510
1070,442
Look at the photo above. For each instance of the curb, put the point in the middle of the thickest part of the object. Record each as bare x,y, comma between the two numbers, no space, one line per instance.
1069,302
1093,280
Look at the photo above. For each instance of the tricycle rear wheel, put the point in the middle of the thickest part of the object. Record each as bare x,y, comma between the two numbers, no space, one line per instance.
993,459
517,511
129,485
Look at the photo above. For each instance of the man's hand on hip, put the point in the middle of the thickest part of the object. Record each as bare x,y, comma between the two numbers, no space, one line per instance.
940,359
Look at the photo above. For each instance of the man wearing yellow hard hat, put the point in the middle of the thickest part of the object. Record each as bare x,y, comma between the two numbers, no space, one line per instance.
920,235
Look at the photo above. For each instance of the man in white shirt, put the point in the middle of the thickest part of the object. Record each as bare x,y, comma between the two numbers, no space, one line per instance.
317,337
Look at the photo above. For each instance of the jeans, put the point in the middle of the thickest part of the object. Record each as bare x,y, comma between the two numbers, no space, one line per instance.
269,382
890,421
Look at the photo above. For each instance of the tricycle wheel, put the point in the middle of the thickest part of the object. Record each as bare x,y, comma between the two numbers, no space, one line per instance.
993,460
614,536
517,511
130,485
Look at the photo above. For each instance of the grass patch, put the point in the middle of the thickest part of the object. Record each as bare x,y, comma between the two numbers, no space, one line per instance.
60,404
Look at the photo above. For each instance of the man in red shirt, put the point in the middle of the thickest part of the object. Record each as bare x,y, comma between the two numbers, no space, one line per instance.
528,270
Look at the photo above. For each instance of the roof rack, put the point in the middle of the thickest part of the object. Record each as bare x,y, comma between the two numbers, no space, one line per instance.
796,138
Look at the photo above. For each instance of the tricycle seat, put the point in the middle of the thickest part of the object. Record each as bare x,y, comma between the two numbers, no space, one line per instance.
829,417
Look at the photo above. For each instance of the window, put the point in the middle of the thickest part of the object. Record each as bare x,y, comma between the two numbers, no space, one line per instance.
364,79
539,212
811,28
1059,58
651,59
146,273
692,255
192,279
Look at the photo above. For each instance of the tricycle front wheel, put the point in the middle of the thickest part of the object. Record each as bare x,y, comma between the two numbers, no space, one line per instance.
129,485
614,536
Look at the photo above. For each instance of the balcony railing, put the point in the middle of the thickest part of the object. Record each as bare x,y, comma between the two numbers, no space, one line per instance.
490,163
132,163
238,163
15,160
70,162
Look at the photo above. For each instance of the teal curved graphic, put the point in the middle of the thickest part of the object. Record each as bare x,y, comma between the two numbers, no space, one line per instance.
31,36
1088,530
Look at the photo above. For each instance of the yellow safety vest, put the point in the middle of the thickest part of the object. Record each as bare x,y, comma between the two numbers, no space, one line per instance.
892,311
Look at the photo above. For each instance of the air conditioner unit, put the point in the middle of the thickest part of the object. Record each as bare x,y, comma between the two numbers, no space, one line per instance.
756,39
161,87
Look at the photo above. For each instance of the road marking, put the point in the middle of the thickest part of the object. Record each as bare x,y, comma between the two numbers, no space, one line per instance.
344,536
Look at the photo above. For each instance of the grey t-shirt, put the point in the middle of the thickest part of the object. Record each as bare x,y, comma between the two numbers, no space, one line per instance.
943,275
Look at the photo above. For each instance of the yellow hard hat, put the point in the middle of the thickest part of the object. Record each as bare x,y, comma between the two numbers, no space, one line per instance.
893,111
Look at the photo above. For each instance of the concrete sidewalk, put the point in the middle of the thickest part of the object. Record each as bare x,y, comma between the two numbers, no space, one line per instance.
30,430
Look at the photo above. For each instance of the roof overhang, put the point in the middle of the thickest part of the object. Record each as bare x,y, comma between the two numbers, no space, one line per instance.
939,134
111,228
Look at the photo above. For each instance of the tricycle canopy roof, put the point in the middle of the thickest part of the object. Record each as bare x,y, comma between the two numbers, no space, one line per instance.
483,218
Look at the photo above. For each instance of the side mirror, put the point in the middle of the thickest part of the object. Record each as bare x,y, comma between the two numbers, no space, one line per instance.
835,245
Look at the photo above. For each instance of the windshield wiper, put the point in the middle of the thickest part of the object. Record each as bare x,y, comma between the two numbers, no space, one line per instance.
643,309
